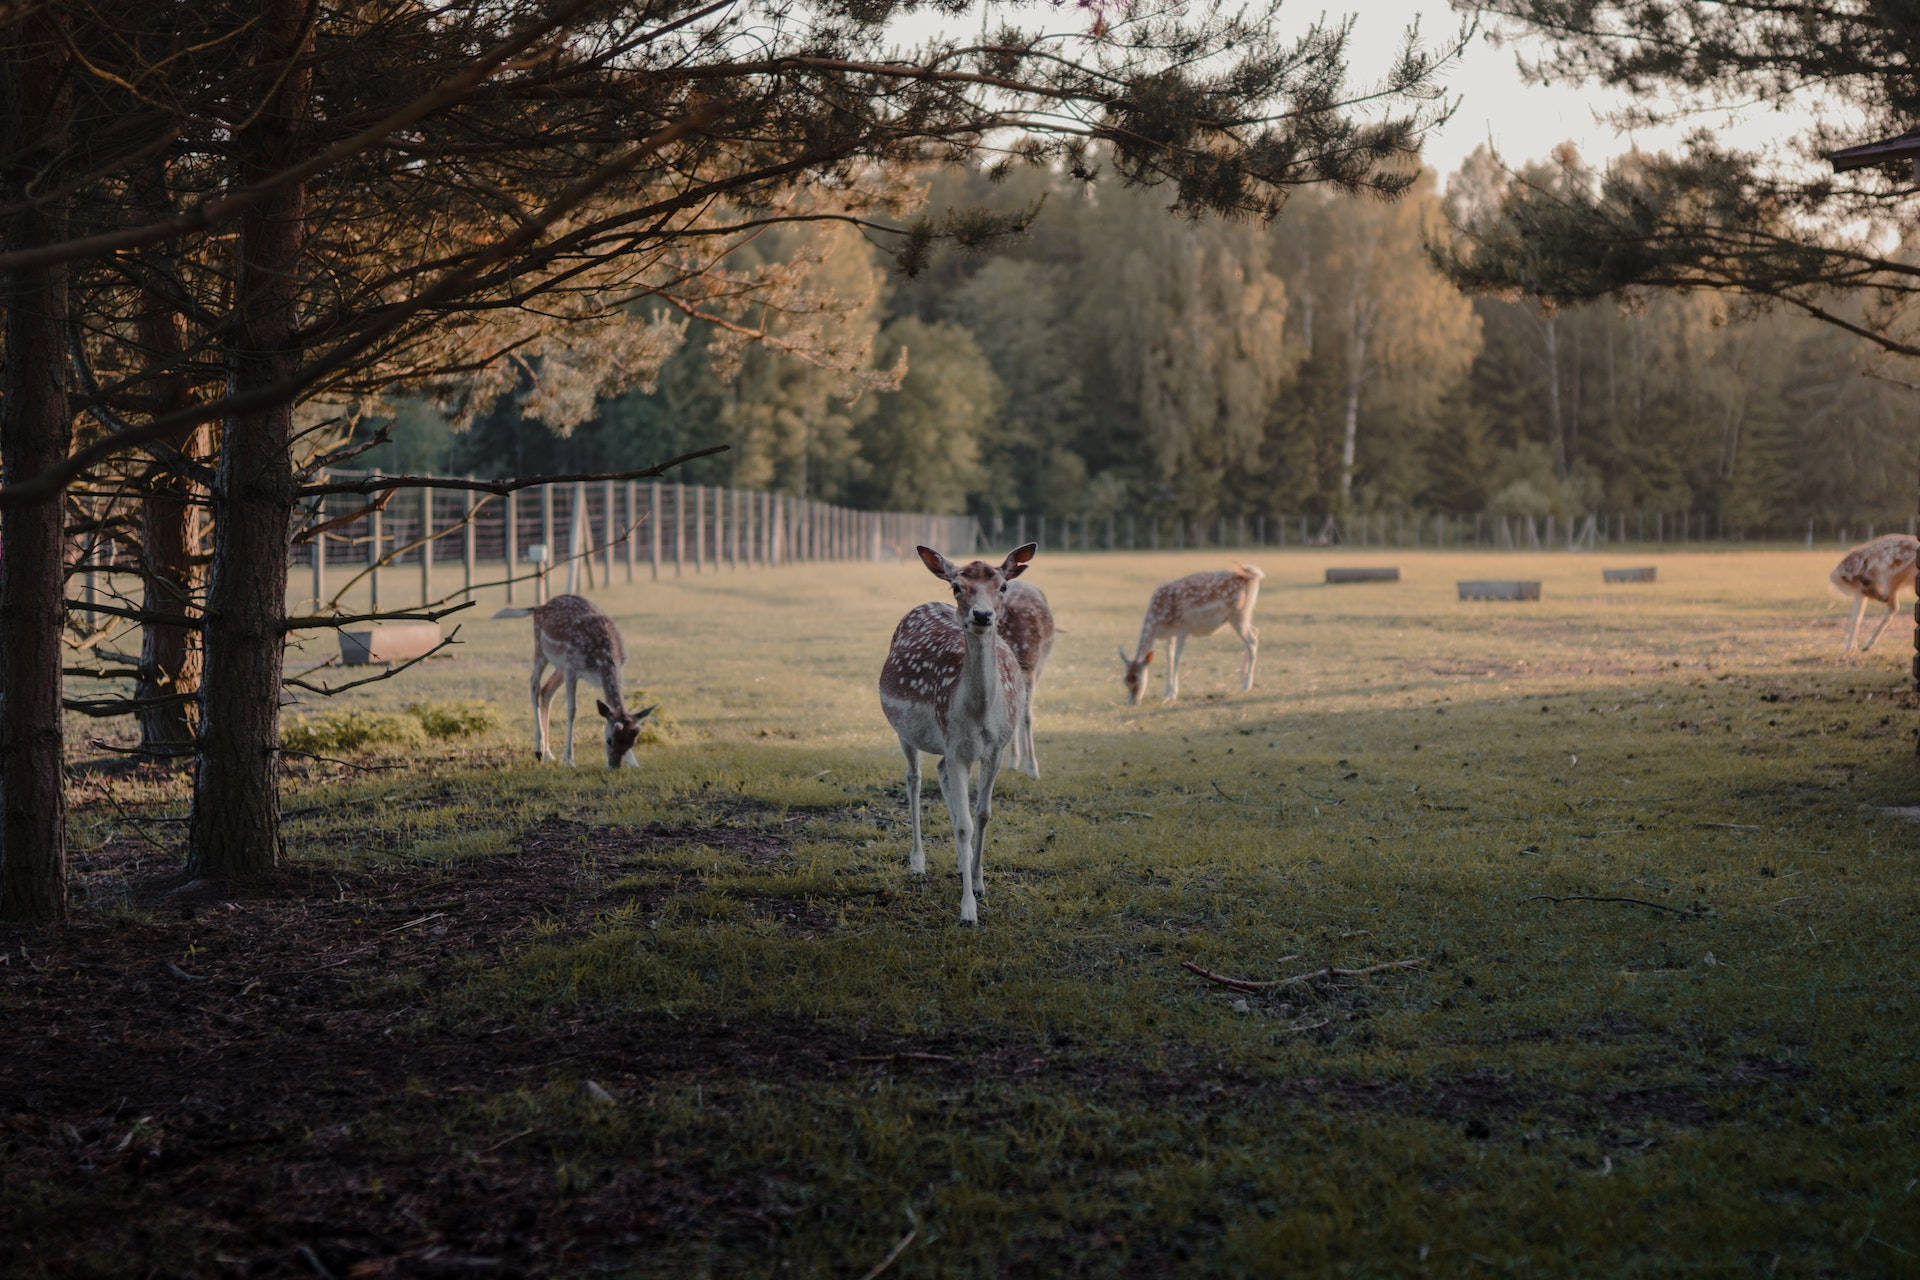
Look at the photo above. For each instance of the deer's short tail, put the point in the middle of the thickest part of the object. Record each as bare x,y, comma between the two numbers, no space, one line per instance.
514,613
1250,572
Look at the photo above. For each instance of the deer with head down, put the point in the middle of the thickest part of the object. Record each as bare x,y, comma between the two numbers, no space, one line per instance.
1196,605
1875,571
577,639
952,687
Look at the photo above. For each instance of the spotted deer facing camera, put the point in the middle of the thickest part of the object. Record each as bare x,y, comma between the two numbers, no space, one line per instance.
952,687
1029,632
1196,605
1875,571
576,639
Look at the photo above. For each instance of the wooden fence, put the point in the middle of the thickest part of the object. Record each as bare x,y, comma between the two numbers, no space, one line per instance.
596,531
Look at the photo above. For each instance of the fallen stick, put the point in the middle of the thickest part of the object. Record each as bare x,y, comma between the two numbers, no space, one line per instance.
1638,902
1244,984
897,1249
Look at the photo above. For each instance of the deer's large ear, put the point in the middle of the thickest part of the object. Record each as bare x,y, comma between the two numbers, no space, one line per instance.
938,565
1016,562
638,716
1123,654
605,712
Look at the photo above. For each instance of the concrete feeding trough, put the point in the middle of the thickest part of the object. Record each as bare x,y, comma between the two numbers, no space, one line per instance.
387,644
1499,589
1645,574
1364,575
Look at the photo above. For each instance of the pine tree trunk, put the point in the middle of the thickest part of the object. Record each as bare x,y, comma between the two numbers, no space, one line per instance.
35,432
170,526
234,832
169,654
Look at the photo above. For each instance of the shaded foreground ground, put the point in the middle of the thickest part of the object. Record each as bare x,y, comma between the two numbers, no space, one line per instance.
500,1020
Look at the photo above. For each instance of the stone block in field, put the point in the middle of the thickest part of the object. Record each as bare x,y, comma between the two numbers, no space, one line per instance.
1499,589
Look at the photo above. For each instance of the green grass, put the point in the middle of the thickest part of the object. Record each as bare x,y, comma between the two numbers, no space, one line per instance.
1726,1086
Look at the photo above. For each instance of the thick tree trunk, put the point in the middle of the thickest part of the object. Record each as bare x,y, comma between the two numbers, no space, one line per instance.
235,829
169,654
35,432
170,526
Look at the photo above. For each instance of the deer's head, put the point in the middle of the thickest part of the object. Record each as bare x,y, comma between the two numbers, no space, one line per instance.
1136,674
979,589
623,730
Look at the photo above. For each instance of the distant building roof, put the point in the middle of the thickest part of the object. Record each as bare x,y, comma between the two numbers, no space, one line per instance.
1904,147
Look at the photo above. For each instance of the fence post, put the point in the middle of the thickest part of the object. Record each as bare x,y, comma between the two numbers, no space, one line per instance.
319,543
426,545
699,527
633,526
470,550
653,529
579,538
612,528
510,528
546,537
374,529
679,526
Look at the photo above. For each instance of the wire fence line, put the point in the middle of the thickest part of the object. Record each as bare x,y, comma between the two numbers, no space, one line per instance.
599,531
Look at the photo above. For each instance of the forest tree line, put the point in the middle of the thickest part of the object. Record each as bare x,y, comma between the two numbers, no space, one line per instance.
1115,360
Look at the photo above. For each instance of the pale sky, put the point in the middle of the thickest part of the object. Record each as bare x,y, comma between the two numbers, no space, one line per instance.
1521,122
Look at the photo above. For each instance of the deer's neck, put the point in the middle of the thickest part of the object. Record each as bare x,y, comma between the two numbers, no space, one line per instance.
980,673
1151,623
609,678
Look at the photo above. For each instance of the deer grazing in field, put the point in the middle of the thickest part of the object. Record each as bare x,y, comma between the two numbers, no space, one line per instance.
1029,632
1196,605
1875,571
952,687
577,639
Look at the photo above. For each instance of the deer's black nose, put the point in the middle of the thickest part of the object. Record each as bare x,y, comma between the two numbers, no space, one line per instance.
983,617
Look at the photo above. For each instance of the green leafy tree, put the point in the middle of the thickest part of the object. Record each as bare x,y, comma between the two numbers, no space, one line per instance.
922,442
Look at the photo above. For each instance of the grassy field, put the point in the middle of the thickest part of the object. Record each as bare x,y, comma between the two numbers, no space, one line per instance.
1638,846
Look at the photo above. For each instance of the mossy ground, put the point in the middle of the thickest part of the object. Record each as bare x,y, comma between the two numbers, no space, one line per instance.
1641,840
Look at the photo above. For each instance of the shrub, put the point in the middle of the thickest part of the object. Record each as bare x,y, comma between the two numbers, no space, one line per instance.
659,727
354,730
455,719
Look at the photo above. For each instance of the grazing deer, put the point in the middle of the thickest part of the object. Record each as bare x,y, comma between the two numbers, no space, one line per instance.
1875,571
1029,632
578,639
1196,605
952,687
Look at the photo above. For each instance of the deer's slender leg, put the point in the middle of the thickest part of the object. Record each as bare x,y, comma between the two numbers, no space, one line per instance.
982,810
916,860
953,786
542,698
1173,666
1853,632
1025,757
1249,636
573,706
1892,608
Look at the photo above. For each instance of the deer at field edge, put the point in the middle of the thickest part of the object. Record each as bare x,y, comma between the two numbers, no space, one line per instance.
577,639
